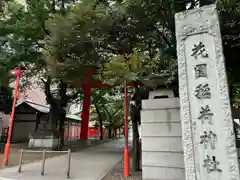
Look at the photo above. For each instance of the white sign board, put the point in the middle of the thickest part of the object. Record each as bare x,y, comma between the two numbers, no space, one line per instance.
207,126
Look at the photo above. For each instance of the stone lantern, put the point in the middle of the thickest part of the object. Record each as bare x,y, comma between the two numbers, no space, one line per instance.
161,93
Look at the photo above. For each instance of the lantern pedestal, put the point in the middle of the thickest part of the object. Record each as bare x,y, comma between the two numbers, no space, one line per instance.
44,138
46,142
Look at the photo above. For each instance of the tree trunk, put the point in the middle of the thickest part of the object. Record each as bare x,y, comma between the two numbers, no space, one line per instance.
115,131
62,113
100,122
57,111
53,5
53,116
110,133
61,130
37,122
136,147
101,128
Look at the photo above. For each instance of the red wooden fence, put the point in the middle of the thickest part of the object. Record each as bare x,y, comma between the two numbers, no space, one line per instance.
73,132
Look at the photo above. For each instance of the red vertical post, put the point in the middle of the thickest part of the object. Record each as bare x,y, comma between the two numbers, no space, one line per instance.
126,153
10,126
85,112
86,104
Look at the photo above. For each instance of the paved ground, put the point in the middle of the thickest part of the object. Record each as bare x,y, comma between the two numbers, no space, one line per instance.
14,155
90,164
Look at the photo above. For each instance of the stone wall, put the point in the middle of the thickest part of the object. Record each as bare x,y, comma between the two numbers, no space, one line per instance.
162,152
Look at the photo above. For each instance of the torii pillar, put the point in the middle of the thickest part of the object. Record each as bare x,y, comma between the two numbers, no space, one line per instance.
87,85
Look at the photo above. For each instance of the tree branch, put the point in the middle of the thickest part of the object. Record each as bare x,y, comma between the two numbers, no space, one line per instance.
192,4
164,38
40,45
116,111
53,6
49,97
106,110
73,96
112,50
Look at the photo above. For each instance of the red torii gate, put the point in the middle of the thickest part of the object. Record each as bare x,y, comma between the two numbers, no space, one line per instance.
87,85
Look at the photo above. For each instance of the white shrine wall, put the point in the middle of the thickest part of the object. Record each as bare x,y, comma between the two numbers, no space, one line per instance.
162,152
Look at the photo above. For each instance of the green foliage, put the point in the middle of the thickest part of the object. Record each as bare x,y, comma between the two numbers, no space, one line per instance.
102,35
230,28
109,105
138,67
131,40
128,40
23,32
5,99
70,48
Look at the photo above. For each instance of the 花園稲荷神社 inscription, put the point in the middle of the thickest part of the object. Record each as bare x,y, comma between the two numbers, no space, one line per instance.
211,164
199,50
204,98
208,138
200,71
203,91
205,115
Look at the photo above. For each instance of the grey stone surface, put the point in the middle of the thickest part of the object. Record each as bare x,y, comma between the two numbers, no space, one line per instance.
192,27
171,173
90,164
50,142
158,104
162,153
160,92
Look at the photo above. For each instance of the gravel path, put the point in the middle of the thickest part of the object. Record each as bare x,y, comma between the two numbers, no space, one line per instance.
117,174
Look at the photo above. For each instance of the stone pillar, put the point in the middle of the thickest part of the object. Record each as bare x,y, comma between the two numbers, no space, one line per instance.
162,152
208,135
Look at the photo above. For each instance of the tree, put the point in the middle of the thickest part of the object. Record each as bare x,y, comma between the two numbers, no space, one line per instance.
130,41
114,112
158,21
229,18
99,103
6,99
70,49
140,68
58,105
23,38
109,109
91,35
